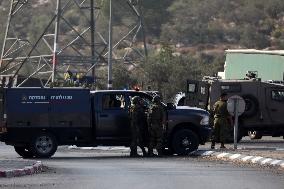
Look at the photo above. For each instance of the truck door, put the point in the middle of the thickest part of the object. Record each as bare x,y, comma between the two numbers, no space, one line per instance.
197,94
275,104
112,119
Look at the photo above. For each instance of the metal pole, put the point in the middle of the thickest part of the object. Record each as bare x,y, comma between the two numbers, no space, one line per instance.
109,86
55,50
93,25
141,18
6,32
236,104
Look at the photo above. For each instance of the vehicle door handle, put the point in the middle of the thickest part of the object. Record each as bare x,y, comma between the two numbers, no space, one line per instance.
274,110
103,115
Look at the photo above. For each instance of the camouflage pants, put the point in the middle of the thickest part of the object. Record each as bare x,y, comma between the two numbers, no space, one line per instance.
220,133
136,138
156,136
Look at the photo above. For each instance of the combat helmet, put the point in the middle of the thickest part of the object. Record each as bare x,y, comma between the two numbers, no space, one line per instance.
136,100
157,99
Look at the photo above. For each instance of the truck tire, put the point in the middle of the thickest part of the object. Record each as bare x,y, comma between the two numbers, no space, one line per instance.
23,151
184,141
254,135
252,106
44,145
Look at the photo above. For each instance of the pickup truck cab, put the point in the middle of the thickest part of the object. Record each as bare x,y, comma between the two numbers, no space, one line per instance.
37,120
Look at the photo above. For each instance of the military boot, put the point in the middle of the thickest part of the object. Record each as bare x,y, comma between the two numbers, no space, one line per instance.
150,152
143,151
133,152
160,152
222,146
213,145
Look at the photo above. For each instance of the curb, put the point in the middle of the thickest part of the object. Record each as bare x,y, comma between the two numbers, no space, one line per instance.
28,170
235,157
262,161
102,148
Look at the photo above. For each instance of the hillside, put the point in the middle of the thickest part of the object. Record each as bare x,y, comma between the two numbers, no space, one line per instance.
245,23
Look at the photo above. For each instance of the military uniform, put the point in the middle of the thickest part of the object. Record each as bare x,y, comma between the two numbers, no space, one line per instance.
137,116
221,123
156,121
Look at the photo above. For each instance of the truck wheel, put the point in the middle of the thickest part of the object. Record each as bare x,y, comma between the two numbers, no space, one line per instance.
44,145
23,151
251,106
254,135
184,141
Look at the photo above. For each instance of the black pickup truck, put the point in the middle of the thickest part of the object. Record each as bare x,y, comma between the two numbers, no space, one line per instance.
37,120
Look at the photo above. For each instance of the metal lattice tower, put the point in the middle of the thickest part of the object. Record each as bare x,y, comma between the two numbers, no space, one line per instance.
63,45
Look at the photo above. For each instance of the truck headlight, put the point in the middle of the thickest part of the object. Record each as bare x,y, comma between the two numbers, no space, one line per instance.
204,120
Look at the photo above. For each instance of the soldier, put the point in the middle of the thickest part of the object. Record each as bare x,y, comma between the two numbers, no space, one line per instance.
137,117
156,123
222,120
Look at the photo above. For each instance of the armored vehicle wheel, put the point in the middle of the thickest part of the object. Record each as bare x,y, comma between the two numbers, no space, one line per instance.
251,106
184,141
23,151
44,145
254,135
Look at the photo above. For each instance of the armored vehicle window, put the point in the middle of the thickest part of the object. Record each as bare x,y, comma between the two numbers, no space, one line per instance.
191,88
277,95
113,101
231,88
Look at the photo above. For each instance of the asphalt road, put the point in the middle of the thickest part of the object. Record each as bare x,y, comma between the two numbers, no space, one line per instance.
114,169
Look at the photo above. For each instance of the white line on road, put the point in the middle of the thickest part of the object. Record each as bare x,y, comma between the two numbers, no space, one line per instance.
256,159
207,153
222,155
265,161
235,156
275,162
247,158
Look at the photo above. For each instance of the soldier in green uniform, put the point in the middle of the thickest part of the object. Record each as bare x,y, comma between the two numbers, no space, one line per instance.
221,121
138,119
157,118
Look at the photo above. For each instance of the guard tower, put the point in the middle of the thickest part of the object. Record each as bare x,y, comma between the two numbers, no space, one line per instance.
69,43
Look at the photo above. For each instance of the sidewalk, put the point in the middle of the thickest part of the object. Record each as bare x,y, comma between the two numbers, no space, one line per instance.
253,153
257,153
15,168
241,157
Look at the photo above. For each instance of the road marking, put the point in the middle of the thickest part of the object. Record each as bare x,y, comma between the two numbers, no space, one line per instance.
266,161
247,158
235,156
222,155
256,159
207,153
275,162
